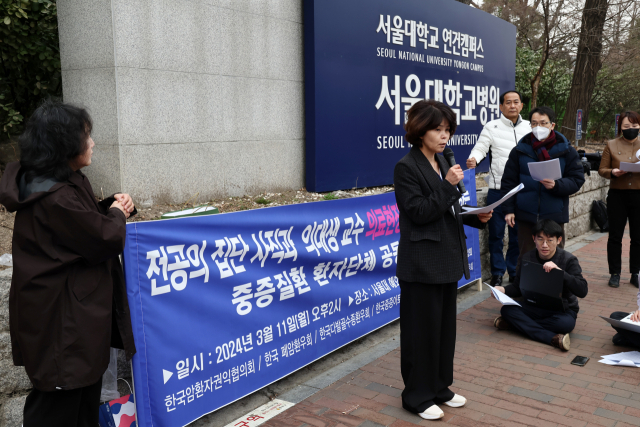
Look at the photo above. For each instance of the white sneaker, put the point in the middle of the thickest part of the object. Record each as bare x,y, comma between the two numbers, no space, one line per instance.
456,402
432,413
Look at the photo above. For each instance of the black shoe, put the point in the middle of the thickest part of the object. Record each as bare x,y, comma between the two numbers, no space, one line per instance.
620,340
634,279
512,278
614,282
496,281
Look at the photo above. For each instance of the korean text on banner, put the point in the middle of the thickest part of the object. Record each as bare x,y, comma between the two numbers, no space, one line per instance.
224,305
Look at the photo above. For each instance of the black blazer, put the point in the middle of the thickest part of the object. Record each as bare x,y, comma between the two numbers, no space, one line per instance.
432,245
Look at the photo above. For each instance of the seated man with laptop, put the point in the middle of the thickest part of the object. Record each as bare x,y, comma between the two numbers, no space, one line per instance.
550,281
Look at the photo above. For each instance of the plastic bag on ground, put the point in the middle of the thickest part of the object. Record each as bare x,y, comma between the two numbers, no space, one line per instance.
110,379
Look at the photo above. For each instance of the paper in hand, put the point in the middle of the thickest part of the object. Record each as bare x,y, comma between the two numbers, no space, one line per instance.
487,209
549,169
630,167
503,298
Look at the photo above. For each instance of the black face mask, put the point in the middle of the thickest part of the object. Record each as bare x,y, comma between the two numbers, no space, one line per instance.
630,134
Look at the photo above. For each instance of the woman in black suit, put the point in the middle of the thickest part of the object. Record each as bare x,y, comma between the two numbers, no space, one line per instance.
432,257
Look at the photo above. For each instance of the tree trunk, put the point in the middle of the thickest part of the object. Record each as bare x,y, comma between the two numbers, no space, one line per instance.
535,81
588,64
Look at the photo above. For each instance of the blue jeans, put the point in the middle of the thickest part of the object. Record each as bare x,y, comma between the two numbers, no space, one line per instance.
496,237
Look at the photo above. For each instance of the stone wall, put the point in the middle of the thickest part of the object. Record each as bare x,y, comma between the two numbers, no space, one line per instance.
580,221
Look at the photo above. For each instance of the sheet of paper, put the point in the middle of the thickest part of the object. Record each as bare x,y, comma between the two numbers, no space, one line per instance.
549,169
486,209
620,363
628,320
503,298
630,167
633,356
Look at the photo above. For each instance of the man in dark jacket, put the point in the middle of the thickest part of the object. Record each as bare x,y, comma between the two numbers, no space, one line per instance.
546,326
546,199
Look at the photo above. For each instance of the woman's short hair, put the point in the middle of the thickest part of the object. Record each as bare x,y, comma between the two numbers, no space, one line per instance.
632,116
546,111
55,133
425,116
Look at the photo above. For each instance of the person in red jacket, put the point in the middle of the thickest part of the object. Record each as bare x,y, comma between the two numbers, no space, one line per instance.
67,303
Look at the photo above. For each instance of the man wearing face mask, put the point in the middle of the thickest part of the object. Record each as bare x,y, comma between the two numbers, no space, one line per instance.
623,200
546,199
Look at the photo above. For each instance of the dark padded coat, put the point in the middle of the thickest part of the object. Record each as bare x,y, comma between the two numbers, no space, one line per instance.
432,245
534,202
67,303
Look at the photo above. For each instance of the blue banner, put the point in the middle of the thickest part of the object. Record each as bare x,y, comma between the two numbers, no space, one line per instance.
368,61
224,305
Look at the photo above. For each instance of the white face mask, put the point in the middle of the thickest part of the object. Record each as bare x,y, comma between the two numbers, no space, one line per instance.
541,133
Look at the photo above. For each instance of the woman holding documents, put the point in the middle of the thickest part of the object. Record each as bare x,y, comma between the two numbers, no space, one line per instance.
432,257
623,200
546,194
67,303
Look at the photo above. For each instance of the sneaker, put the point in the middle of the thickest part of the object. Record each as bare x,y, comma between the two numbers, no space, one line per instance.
634,279
432,413
501,324
614,281
561,341
496,281
456,402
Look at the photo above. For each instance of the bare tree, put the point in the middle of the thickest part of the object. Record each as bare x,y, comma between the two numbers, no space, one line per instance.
588,64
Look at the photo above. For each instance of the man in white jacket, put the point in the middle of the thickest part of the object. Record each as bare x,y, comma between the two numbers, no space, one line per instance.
499,137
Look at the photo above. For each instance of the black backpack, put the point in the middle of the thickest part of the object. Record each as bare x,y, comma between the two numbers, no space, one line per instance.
599,210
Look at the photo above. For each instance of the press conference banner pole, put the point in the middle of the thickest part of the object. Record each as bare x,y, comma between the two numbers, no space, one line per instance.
223,305
368,61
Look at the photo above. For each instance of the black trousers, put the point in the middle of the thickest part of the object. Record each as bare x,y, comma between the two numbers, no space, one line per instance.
623,205
631,337
63,408
539,324
427,343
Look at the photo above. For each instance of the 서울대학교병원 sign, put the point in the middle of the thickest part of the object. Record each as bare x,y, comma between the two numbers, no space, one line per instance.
368,61
223,305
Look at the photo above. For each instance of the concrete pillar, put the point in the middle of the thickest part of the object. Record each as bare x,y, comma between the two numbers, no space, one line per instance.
194,96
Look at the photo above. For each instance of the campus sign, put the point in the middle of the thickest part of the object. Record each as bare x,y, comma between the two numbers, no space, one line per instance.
368,61
223,305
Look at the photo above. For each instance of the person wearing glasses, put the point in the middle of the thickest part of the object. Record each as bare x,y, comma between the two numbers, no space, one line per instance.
624,197
540,324
546,199
498,137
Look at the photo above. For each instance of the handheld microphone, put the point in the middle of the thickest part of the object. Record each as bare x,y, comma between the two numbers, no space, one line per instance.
448,154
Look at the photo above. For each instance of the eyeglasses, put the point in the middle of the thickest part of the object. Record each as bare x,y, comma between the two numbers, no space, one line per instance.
549,242
536,124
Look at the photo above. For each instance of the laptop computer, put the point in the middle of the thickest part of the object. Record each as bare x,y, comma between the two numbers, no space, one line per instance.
635,327
541,289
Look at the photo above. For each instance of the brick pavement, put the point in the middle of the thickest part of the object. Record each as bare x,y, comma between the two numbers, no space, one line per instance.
507,379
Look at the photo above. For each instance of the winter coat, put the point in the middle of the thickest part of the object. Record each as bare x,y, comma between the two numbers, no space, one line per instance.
499,137
619,150
534,202
67,303
432,245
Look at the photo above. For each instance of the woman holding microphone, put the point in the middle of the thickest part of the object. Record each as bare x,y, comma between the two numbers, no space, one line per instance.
623,200
432,257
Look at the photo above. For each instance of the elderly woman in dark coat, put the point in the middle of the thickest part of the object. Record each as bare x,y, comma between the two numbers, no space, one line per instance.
67,303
